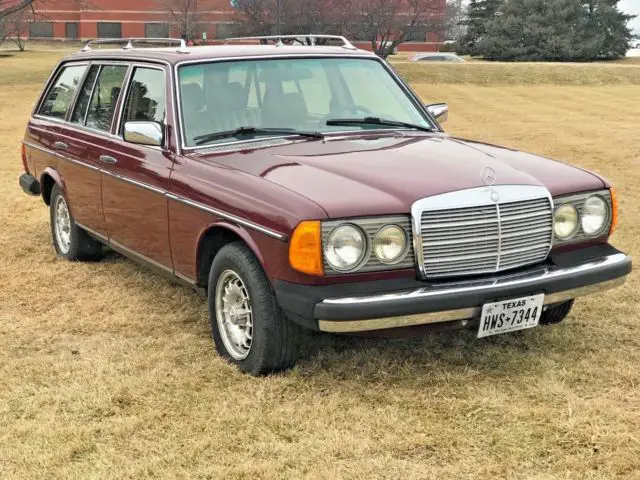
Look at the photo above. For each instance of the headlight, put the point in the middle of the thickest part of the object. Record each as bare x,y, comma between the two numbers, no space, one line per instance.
594,215
389,244
565,221
345,247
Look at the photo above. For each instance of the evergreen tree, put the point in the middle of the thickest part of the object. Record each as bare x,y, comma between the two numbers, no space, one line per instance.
555,30
479,14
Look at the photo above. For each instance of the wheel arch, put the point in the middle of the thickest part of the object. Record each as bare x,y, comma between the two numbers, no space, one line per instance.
48,178
212,239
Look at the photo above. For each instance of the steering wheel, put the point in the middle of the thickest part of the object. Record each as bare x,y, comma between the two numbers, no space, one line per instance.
351,112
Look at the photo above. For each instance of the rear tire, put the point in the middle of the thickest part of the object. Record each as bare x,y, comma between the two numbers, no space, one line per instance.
556,313
70,241
248,327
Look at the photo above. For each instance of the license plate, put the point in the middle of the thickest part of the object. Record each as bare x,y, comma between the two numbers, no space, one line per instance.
510,315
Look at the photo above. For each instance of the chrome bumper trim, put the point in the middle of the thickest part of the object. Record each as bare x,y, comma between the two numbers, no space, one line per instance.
346,326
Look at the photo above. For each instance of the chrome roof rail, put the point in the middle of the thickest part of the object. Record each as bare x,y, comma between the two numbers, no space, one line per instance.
182,46
302,39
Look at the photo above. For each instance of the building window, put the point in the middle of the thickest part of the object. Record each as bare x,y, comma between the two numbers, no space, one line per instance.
109,30
41,29
156,30
71,30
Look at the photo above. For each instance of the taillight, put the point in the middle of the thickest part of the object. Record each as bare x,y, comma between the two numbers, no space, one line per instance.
24,158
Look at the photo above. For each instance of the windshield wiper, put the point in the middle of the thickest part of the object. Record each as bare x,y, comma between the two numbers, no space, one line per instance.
252,131
376,121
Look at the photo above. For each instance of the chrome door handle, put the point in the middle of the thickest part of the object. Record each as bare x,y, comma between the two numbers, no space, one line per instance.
60,145
108,159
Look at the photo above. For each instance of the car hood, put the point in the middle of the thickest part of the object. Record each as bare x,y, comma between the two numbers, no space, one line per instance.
350,176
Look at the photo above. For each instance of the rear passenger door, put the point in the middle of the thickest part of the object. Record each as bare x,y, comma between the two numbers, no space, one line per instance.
84,137
136,177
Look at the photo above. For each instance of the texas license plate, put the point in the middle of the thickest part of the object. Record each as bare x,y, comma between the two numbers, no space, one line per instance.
510,315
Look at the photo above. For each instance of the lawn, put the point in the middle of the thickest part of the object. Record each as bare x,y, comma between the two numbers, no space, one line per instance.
107,370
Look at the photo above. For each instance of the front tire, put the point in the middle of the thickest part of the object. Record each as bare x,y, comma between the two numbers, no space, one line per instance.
249,329
70,241
556,314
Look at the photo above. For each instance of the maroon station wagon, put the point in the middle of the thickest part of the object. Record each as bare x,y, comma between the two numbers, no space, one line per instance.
303,184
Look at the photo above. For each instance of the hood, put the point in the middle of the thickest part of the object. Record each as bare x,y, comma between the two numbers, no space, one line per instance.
350,176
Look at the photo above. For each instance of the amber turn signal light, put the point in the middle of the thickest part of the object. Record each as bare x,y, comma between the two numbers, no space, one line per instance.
614,211
305,248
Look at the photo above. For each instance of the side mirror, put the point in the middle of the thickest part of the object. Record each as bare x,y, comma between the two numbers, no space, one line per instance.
440,111
144,133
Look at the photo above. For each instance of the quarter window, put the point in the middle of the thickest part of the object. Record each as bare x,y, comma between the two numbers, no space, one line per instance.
147,96
105,96
85,95
60,96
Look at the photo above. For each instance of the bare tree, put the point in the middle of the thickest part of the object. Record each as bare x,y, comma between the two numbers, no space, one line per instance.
186,15
15,27
10,7
389,23
258,17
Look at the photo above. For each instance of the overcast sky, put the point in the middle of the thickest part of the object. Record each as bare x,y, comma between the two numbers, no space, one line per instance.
632,7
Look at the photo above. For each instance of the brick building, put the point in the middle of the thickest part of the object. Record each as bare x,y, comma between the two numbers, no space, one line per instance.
67,19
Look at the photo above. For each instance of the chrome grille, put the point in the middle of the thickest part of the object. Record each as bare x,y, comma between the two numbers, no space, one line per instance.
483,237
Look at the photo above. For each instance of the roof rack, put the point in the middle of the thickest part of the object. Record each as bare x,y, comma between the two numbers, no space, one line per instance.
182,46
303,39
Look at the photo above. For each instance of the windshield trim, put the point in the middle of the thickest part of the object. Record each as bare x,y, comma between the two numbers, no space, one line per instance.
415,100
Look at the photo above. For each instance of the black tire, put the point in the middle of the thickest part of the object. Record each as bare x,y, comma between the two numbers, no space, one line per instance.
274,345
556,314
80,245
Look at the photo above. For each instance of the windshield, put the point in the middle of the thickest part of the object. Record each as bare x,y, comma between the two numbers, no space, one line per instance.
300,94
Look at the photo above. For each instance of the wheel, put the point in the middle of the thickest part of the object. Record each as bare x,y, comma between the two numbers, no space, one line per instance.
69,240
556,313
249,329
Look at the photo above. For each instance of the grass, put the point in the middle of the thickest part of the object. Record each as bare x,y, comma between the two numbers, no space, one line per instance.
107,370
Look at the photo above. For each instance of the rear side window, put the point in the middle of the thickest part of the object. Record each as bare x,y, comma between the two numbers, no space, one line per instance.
104,98
84,96
147,96
60,95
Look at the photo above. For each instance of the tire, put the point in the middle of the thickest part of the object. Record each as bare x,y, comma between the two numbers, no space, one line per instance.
271,343
70,241
556,313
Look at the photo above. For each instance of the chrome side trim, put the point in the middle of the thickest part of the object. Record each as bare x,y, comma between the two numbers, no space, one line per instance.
60,155
131,181
228,216
337,326
99,236
545,273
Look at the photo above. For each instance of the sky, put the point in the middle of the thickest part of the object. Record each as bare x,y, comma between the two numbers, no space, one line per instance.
632,7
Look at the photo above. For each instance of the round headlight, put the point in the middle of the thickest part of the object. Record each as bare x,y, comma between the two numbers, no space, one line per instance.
345,247
389,244
565,221
594,215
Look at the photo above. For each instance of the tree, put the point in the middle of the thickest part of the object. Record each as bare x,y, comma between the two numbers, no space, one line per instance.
186,15
384,23
15,27
455,20
389,23
555,30
258,17
479,14
10,7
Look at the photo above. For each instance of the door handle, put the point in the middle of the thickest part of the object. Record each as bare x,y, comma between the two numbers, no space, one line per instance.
60,145
108,159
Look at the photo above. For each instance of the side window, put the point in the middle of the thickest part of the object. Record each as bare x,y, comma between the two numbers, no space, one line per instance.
60,95
84,96
146,100
105,96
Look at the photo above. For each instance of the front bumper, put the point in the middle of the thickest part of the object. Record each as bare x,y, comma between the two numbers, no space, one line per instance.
385,304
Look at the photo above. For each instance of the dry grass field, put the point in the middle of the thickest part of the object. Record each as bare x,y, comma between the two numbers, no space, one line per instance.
108,371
